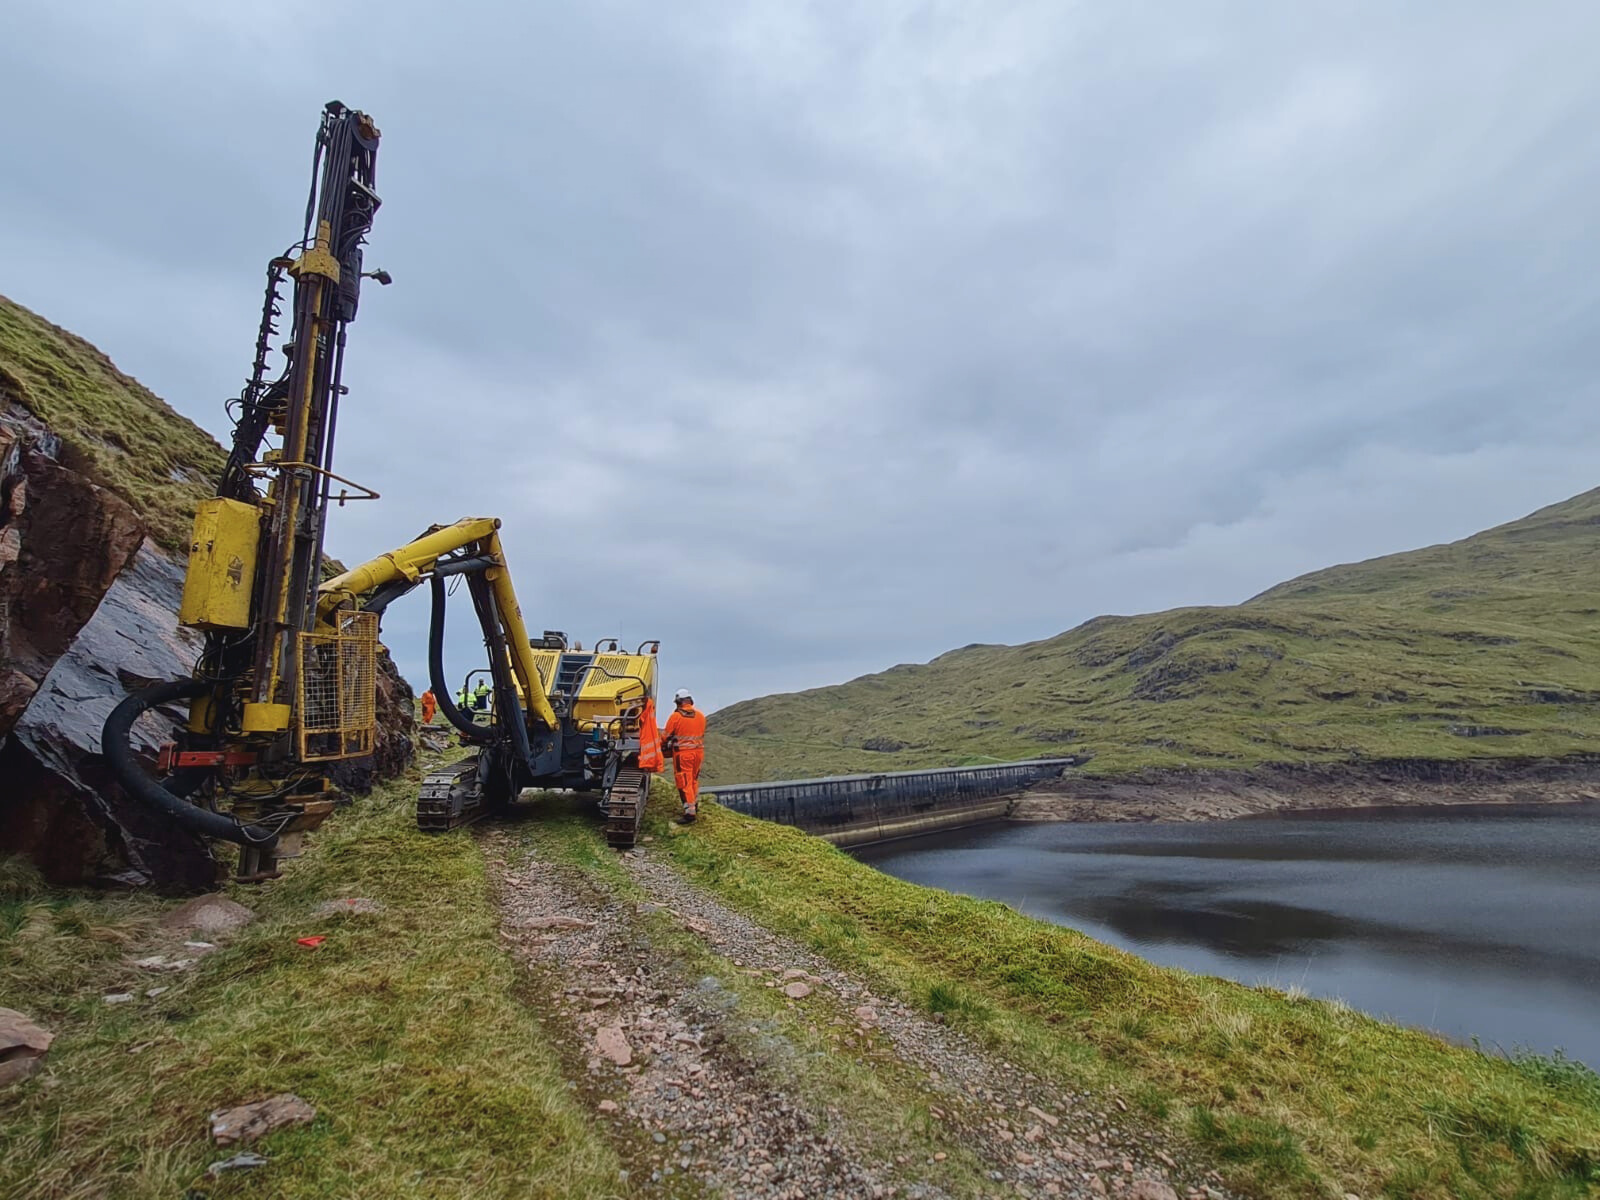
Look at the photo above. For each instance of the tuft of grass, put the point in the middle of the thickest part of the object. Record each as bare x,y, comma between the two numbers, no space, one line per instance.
1291,1089
19,879
1267,1149
1559,1073
950,1001
1152,1101
1487,648
404,1030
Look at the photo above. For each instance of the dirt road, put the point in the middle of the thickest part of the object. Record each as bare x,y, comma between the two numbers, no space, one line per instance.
723,1059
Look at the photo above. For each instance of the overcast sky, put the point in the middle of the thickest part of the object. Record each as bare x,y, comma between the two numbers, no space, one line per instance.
812,338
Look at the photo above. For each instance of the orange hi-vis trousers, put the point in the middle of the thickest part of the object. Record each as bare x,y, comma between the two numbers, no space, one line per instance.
686,775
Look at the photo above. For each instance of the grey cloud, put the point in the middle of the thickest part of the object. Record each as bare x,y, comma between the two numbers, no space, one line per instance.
929,323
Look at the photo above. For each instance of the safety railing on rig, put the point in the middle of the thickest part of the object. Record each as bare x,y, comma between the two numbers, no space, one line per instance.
865,807
338,688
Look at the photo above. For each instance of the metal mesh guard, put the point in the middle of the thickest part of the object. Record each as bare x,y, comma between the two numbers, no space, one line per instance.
339,688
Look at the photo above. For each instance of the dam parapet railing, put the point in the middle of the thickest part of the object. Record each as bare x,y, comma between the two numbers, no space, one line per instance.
855,810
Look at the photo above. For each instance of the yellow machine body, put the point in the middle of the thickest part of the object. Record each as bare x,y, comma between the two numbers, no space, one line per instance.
266,718
614,688
222,565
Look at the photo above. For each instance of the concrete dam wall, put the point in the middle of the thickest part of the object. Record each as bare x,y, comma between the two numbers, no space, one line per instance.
855,810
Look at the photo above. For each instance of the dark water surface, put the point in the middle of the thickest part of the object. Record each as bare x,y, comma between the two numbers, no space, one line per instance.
1477,922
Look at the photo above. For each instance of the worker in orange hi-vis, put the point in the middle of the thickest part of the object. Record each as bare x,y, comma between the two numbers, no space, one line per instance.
429,706
685,740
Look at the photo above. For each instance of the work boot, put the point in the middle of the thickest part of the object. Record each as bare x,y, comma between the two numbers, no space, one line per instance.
687,818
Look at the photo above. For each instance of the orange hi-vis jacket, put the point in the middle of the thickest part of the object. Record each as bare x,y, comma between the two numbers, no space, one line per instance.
689,727
649,739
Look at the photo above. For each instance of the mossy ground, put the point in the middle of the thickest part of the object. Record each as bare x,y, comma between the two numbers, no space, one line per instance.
1292,1096
1485,648
431,1078
411,1032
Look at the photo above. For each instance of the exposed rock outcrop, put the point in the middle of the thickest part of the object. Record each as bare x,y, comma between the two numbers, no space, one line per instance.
1220,795
63,540
60,806
98,479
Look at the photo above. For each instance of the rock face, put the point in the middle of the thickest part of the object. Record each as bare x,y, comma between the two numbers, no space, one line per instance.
88,604
63,540
59,803
60,806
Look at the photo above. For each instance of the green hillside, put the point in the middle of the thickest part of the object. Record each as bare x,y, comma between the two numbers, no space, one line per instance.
114,430
1486,647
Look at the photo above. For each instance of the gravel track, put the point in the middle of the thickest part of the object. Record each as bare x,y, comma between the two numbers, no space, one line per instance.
700,1098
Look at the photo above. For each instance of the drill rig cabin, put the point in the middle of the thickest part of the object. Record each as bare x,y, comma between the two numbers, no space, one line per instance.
286,682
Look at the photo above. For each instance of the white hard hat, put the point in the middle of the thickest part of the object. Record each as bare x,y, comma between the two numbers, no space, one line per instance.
682,694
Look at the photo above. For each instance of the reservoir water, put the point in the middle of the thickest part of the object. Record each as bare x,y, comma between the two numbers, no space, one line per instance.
1473,922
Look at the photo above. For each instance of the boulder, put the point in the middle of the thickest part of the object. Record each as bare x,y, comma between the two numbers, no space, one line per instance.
208,914
609,1042
23,1046
247,1161
246,1123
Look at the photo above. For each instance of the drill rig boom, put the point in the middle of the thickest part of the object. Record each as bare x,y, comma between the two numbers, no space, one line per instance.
560,719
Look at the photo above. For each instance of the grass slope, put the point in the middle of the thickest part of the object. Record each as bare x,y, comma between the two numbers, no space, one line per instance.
411,1033
1291,1096
430,1076
1487,647
116,431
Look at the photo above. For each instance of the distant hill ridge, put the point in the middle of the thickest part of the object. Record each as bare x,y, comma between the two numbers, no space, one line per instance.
1485,647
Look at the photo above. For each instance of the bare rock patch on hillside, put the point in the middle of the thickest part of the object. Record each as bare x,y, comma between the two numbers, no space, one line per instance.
1173,795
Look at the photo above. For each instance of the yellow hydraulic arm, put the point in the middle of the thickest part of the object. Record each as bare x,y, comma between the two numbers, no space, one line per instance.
411,562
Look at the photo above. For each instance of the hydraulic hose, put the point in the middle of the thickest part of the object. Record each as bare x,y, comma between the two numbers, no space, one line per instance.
476,734
117,748
509,711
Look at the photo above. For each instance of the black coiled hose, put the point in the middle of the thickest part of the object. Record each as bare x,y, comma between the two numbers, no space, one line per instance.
118,751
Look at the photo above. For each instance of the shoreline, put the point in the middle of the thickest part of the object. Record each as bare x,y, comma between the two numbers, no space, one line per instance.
1171,795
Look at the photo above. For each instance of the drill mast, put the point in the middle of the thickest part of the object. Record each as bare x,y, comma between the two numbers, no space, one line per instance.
275,690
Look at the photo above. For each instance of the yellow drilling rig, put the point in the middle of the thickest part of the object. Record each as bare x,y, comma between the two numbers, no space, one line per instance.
286,683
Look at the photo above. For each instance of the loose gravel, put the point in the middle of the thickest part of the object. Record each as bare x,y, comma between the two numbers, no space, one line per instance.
700,1100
